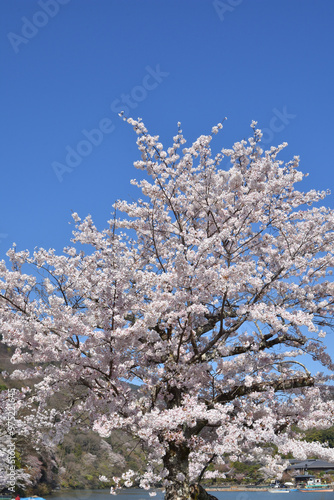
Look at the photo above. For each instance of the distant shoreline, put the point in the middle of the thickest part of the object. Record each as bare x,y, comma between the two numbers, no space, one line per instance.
239,488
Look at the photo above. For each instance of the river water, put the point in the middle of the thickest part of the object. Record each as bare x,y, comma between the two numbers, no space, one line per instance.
138,494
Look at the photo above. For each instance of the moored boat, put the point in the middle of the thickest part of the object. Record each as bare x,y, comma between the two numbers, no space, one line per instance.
320,489
278,487
32,498
316,485
278,490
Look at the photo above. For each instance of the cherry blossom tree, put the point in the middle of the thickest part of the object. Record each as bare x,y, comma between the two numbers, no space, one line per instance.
210,293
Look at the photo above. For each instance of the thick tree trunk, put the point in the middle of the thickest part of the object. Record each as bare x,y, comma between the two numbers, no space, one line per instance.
197,492
176,461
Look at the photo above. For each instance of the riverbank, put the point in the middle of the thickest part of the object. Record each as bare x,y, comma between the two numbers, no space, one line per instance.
237,488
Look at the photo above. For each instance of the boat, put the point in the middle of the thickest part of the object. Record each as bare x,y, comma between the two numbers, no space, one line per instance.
321,489
32,498
316,485
278,488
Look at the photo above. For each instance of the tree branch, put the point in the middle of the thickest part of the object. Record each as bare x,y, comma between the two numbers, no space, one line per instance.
278,385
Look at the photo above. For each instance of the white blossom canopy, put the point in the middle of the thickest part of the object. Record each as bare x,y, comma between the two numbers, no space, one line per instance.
208,293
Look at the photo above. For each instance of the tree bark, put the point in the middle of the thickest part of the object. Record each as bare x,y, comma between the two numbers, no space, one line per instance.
197,492
176,461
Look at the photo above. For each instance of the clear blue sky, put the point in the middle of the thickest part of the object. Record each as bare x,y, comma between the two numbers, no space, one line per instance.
68,66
